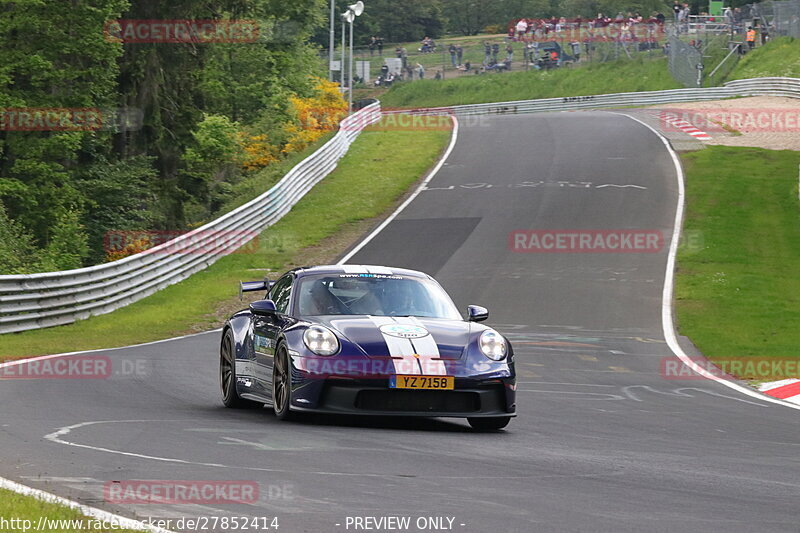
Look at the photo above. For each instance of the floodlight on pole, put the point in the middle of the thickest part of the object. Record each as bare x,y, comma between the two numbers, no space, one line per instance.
356,8
353,11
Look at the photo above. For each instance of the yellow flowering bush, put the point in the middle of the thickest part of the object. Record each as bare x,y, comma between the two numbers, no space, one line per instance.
312,118
316,115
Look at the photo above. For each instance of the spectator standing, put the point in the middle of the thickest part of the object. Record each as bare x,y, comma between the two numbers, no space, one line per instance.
728,14
487,52
371,46
676,9
420,71
522,28
379,44
452,50
751,37
459,53
495,51
509,52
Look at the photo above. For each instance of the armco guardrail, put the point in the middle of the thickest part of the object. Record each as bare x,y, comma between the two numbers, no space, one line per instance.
48,299
41,300
751,87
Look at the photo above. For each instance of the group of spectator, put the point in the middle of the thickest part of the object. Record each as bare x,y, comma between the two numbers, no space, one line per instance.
428,45
456,54
407,72
553,28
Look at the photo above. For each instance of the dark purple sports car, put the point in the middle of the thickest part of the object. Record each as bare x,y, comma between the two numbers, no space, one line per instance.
347,339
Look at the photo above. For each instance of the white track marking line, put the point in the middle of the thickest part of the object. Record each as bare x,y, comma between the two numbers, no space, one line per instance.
669,280
56,437
420,188
91,512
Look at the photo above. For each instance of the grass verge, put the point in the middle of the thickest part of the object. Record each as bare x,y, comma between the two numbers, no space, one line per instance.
779,57
639,74
377,171
22,513
738,295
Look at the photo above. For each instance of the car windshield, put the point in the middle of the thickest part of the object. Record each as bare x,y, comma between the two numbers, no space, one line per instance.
373,294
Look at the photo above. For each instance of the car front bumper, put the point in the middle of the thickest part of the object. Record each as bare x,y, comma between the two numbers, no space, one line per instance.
470,398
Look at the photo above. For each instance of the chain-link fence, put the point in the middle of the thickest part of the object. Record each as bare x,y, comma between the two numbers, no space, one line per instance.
459,57
685,61
781,18
705,51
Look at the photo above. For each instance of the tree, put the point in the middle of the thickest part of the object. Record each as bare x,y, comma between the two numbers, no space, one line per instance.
52,57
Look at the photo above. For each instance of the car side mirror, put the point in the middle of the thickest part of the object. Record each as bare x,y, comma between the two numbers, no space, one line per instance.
263,307
477,313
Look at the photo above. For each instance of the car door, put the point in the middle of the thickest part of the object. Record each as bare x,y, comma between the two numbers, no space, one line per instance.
267,328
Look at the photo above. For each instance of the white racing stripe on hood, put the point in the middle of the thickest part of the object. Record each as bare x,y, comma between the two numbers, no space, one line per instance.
379,270
425,347
427,350
398,348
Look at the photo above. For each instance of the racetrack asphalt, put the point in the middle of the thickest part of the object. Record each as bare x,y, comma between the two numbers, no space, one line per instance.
602,442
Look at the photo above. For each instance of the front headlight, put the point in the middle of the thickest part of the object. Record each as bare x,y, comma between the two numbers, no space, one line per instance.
493,345
321,340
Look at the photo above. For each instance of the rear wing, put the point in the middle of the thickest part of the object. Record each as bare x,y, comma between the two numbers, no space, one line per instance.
253,286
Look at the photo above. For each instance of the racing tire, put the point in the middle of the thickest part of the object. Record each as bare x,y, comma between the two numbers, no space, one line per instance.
490,423
227,376
282,384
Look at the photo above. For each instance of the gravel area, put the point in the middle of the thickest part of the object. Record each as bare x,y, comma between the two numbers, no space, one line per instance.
760,121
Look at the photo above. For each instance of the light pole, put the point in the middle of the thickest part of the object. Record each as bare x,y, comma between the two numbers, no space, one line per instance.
353,11
344,51
331,41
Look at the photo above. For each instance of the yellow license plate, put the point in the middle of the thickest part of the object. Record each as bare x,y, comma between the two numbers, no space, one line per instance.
422,382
